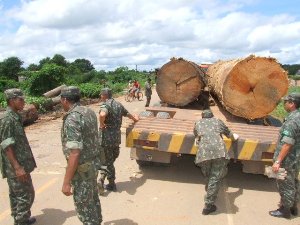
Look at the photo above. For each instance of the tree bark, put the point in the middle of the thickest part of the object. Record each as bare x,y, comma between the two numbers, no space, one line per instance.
54,92
249,87
179,82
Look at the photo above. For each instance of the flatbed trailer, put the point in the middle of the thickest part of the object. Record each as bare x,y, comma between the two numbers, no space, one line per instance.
154,139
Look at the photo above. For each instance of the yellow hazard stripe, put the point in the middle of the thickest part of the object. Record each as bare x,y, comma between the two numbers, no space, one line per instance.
248,150
228,143
176,142
132,135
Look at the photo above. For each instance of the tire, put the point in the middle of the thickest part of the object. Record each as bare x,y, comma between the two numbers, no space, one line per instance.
140,96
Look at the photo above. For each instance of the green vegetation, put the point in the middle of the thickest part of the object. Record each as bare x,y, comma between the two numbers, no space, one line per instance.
52,72
279,111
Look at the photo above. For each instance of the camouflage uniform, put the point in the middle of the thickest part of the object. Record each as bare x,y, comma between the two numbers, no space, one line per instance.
80,131
290,134
110,137
148,92
21,194
212,156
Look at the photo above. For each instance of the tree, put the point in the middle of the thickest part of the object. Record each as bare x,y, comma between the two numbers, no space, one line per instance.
59,60
33,67
10,68
83,65
49,77
44,61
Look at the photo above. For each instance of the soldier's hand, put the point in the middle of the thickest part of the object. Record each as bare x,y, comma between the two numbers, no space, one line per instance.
66,189
21,174
275,167
136,117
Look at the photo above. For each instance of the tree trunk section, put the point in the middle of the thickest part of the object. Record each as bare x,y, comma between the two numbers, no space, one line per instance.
179,82
249,87
54,92
29,114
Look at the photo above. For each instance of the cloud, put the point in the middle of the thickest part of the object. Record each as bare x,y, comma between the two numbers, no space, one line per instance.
145,33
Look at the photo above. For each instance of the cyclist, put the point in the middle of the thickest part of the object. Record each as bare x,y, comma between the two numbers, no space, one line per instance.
136,88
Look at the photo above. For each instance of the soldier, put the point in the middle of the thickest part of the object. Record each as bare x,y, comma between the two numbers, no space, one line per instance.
148,91
16,159
110,117
212,156
287,156
80,143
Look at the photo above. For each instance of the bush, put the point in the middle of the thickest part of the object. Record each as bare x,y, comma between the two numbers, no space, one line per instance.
40,103
90,90
6,84
49,77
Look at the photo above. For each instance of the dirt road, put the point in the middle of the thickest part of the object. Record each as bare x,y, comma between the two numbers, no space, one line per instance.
171,195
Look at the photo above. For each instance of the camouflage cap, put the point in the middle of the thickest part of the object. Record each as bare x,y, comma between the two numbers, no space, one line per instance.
13,93
71,91
106,91
293,97
207,113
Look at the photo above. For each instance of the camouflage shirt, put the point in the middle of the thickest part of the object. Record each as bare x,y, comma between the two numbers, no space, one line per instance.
289,134
211,144
111,135
80,131
148,90
12,134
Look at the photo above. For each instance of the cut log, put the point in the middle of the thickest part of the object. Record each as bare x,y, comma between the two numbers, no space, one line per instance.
179,82
249,87
29,114
54,92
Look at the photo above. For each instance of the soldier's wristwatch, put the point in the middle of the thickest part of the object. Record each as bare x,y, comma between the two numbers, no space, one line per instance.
277,162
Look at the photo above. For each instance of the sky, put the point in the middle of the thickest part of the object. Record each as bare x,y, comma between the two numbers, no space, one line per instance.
147,33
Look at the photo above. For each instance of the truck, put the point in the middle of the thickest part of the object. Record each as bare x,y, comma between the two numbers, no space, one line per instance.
166,130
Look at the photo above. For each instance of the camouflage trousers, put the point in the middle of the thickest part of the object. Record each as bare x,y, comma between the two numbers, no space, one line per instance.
111,154
86,201
148,101
21,196
214,170
289,188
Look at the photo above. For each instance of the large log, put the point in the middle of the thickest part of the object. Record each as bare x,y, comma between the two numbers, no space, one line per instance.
54,92
29,114
179,82
249,87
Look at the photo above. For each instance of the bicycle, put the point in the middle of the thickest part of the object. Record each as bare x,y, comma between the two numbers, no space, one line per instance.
130,96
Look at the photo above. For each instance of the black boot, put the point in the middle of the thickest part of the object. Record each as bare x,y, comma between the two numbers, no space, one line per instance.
111,186
281,212
31,220
294,210
209,209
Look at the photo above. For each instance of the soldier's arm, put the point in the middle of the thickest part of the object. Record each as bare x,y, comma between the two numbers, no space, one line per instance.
282,154
135,118
70,171
102,115
125,112
19,170
289,139
225,130
74,145
7,145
